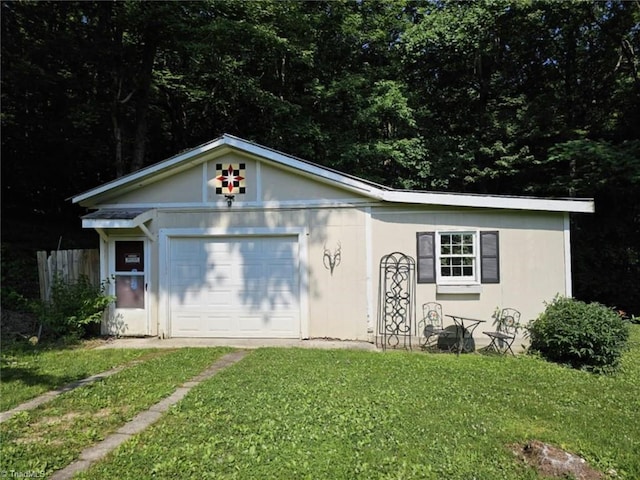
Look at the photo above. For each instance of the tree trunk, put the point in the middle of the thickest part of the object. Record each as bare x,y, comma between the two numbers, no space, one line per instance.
142,101
117,137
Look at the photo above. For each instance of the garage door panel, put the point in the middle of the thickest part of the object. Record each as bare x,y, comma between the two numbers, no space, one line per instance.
186,251
217,247
281,323
283,274
219,274
255,271
256,300
202,322
255,325
196,299
218,325
252,325
185,274
187,323
234,287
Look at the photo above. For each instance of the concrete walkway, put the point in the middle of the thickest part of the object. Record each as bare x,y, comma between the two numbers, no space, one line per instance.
244,343
154,342
143,419
50,395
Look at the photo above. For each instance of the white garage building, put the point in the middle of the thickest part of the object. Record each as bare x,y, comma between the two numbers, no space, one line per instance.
233,239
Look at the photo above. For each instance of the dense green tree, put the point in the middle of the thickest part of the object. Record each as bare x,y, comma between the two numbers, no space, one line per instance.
485,96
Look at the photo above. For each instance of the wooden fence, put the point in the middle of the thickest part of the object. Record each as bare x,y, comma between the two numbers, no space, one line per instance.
69,265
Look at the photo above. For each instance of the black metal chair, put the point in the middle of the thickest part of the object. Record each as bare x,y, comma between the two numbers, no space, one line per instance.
507,325
431,325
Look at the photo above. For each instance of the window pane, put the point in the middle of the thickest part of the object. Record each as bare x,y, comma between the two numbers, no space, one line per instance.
129,291
457,255
129,256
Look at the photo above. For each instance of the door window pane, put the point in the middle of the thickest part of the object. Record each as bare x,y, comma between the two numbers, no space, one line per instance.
129,256
129,273
129,291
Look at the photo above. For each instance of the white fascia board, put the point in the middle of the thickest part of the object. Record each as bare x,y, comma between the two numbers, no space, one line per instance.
304,167
116,223
104,223
243,146
491,201
149,171
347,182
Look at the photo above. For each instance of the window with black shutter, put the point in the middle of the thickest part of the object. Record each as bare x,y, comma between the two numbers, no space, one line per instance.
458,257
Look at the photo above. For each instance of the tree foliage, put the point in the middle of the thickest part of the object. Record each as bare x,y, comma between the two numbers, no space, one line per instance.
487,97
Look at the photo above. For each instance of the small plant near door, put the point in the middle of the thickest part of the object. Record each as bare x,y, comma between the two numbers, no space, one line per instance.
74,307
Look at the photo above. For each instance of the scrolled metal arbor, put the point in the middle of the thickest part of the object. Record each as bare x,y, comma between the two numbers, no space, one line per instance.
396,300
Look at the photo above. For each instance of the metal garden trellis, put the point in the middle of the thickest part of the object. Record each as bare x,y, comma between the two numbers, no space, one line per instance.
396,300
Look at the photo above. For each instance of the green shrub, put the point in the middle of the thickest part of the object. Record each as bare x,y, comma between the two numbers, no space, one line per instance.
586,336
74,306
10,299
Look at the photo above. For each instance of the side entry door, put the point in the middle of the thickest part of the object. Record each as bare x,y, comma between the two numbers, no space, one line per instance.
129,270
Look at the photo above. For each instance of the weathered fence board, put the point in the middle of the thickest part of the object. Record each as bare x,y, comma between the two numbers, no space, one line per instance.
69,265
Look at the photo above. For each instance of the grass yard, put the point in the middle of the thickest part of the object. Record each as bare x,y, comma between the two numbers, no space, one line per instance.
52,436
27,371
293,413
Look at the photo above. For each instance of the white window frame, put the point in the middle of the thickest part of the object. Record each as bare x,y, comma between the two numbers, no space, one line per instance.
462,280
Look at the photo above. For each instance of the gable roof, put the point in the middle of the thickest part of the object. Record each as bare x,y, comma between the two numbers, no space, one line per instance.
351,183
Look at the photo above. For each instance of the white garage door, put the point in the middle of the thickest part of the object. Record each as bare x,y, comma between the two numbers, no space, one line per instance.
234,287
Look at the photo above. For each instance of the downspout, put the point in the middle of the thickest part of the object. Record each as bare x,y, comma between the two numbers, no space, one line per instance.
568,286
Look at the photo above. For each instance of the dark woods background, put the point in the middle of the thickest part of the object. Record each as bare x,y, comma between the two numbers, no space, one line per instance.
526,98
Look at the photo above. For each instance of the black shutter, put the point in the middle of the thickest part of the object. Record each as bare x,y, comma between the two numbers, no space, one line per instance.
426,257
489,257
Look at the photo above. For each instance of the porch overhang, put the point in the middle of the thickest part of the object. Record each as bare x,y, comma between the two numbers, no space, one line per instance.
119,218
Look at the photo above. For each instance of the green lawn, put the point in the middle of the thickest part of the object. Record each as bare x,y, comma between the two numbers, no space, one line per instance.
293,413
27,371
51,436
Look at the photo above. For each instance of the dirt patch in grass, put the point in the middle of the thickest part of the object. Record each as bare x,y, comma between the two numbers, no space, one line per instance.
46,424
554,462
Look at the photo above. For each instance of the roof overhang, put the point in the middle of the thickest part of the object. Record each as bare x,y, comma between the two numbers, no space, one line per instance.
221,146
570,205
373,191
119,218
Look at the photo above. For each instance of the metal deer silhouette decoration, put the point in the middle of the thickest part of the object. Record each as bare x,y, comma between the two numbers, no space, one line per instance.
332,260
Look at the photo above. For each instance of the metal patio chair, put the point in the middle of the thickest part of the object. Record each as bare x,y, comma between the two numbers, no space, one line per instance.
507,325
431,326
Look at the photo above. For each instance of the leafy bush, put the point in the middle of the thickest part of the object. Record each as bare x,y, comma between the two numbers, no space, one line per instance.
586,336
74,306
10,299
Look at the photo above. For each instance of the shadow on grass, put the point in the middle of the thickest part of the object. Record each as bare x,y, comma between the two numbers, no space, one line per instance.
19,365
30,376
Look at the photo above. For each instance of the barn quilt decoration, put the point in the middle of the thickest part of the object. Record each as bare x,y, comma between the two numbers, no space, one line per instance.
230,179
